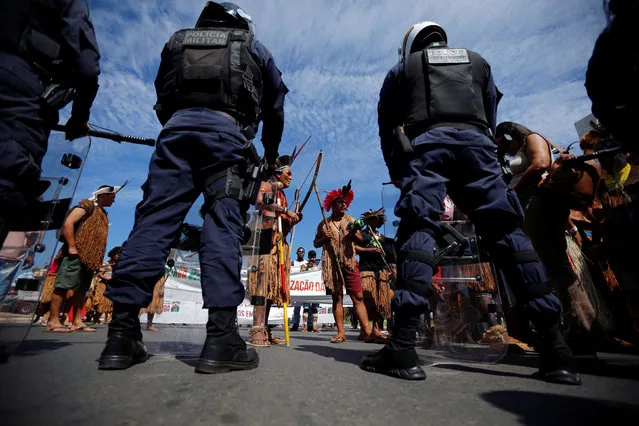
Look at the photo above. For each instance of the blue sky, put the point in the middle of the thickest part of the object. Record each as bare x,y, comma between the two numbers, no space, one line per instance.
334,56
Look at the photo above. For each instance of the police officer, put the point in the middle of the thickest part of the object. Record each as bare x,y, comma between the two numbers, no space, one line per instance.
446,102
612,77
214,84
47,48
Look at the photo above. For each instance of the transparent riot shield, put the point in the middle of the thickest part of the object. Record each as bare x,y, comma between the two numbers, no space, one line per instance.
33,242
257,259
465,322
182,321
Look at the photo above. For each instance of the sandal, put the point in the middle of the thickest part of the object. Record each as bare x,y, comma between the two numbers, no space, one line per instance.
57,329
338,339
258,342
274,340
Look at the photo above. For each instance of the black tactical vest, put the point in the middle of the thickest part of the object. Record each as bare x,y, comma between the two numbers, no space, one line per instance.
446,90
31,29
212,68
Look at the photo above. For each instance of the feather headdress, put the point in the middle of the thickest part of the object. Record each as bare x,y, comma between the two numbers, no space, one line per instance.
344,191
107,189
284,161
379,214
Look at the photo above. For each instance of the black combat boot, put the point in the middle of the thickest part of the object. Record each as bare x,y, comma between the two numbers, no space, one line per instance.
224,350
124,345
398,358
556,361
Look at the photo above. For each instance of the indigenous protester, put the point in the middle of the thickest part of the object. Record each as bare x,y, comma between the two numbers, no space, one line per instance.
44,307
102,304
547,221
531,157
85,232
375,271
339,267
156,306
617,231
265,284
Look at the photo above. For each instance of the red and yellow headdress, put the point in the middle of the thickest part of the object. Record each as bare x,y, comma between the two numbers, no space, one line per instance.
344,191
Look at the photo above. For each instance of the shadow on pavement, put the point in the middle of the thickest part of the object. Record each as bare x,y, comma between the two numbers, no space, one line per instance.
473,369
312,337
36,347
550,409
627,368
339,354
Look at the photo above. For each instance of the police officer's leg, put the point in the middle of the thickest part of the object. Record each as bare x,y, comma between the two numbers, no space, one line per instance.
419,207
19,183
222,290
497,214
169,193
24,131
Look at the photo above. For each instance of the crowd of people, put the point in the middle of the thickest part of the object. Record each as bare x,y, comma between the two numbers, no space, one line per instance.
559,231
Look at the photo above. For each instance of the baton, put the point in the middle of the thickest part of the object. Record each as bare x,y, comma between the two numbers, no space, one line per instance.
116,137
601,153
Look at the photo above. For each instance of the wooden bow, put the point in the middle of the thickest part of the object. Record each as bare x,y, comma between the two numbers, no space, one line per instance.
318,162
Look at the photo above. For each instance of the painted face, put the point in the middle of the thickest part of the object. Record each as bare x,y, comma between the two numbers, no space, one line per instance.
339,205
285,177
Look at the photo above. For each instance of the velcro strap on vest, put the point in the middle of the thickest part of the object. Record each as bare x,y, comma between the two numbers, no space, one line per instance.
418,256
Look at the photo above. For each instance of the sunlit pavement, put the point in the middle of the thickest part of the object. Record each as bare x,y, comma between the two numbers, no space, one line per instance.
54,379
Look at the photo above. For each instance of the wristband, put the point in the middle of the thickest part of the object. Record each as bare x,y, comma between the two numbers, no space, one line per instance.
572,231
285,210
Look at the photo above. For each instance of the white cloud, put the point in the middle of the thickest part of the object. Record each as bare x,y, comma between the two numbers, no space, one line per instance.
334,56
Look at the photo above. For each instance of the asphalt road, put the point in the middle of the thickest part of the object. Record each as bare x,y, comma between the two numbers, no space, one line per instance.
53,380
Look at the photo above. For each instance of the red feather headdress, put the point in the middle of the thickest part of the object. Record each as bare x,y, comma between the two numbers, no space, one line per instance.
344,191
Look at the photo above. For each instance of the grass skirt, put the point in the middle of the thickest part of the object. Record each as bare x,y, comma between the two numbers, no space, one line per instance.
267,280
377,292
157,304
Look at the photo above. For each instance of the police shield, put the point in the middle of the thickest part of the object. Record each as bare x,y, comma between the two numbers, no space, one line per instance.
256,254
182,319
465,322
27,257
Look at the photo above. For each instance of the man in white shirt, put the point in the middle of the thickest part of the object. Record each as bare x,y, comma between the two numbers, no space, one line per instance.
296,265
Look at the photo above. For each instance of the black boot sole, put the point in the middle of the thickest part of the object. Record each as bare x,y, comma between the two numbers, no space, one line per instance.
118,362
206,366
414,373
560,377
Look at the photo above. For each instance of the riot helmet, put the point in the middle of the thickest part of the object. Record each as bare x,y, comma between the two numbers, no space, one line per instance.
420,36
225,14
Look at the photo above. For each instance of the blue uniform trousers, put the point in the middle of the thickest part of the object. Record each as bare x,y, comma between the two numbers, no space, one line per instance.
463,164
24,130
195,143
